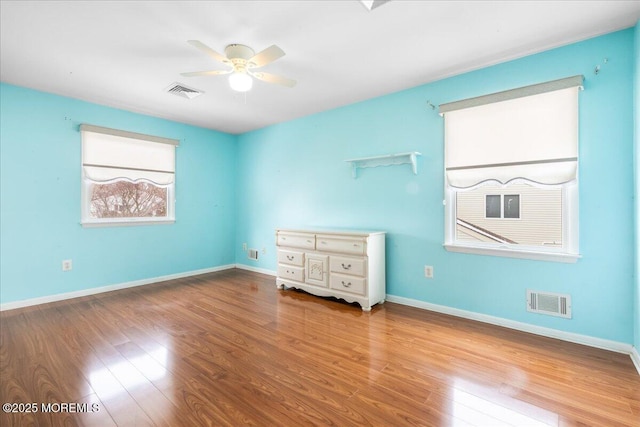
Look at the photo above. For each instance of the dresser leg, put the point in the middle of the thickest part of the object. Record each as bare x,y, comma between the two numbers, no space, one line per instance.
366,308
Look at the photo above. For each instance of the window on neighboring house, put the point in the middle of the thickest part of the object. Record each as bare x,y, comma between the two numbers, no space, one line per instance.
514,155
511,206
127,178
492,206
502,206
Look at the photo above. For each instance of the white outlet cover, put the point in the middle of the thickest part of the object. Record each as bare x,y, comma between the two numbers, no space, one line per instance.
428,272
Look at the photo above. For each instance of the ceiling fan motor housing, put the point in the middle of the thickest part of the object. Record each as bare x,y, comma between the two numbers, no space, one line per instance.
239,54
239,51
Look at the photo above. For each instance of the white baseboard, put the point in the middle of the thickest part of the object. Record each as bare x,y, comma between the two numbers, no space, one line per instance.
616,346
109,288
256,269
635,357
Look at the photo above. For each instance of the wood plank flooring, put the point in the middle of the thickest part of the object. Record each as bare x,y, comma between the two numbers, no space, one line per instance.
229,349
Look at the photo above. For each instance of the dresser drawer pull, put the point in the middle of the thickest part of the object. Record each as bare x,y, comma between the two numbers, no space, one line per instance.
355,245
346,285
309,241
346,267
290,257
323,242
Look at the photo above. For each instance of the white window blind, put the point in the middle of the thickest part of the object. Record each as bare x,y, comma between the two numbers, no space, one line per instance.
529,133
110,154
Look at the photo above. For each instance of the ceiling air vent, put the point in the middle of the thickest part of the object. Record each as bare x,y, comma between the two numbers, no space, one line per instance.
184,91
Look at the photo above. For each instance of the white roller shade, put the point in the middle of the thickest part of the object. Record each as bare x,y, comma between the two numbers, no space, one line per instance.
109,154
534,137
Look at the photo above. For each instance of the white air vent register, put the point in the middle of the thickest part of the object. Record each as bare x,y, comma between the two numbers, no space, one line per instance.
183,91
549,303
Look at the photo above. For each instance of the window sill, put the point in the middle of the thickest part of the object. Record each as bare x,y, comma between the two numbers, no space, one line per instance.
127,223
512,253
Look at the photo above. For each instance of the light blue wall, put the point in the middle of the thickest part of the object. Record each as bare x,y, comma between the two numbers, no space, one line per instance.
294,175
40,201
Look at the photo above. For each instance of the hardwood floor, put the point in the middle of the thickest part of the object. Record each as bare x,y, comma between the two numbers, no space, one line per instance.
229,349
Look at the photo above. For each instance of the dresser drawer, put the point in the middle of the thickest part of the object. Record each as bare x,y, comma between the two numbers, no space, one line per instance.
290,257
295,240
352,284
291,273
347,265
345,245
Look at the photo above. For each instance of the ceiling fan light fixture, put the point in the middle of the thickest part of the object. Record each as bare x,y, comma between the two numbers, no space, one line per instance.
242,62
240,82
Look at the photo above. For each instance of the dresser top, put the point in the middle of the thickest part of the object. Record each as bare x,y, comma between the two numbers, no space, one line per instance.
330,231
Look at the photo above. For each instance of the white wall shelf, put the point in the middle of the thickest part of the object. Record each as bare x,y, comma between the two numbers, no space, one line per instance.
387,160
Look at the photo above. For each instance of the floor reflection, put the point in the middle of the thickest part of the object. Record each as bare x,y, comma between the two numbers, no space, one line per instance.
129,373
470,409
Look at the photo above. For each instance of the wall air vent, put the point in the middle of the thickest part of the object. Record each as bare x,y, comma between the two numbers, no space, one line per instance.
183,91
548,303
252,254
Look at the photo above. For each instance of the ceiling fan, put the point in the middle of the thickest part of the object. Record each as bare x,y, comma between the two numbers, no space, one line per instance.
242,60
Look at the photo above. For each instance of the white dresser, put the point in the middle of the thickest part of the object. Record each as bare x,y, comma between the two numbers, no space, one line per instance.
342,264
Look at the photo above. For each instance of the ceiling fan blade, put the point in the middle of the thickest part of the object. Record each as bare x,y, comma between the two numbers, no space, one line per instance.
263,58
206,73
272,78
206,49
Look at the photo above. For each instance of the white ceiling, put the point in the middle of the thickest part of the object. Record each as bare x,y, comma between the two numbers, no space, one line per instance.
126,53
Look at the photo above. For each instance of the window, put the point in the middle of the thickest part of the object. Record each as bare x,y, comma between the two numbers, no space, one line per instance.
502,206
127,178
492,206
511,206
511,172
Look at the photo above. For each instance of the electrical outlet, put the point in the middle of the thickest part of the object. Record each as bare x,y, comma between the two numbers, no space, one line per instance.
264,250
428,271
67,265
244,247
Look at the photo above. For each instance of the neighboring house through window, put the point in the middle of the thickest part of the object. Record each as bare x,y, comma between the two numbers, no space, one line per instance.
127,178
511,172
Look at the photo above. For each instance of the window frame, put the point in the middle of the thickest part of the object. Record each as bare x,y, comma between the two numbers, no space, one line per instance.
88,221
85,193
567,253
